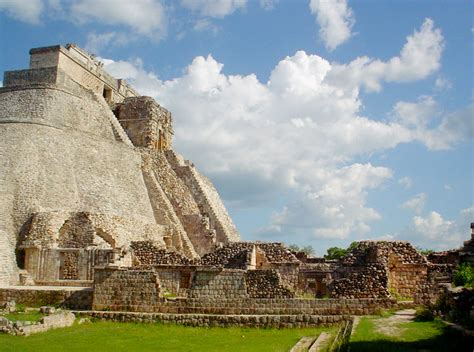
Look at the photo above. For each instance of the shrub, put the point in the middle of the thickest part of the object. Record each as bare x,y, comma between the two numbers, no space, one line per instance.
464,275
424,314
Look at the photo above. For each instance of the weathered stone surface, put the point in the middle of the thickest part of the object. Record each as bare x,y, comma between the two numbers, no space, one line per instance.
73,298
70,174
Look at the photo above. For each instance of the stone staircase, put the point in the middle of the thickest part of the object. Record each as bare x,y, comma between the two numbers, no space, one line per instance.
164,211
119,133
205,194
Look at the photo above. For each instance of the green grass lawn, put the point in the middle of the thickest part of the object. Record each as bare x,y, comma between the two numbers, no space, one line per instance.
108,336
415,336
24,316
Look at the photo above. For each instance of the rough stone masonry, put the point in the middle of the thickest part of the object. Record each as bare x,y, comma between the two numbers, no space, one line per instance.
79,183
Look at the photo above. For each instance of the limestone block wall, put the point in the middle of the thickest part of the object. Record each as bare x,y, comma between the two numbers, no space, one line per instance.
405,280
175,280
58,153
438,277
31,76
72,298
226,283
56,108
288,272
212,320
125,289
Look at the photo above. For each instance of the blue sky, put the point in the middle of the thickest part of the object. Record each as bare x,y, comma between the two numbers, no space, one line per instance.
320,122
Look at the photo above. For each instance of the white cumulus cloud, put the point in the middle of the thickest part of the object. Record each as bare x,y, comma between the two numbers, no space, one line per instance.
417,203
214,8
406,182
335,20
419,57
144,17
298,135
27,11
439,233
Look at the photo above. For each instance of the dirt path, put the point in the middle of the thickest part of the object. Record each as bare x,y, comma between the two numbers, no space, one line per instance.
391,325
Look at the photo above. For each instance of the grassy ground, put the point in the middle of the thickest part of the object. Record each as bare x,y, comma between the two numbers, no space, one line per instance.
108,336
412,336
24,316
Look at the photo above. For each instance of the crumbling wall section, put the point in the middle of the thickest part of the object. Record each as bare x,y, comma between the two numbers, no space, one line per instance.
369,281
266,284
235,255
380,269
145,253
147,123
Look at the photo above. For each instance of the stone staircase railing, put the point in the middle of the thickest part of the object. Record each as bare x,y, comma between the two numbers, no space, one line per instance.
119,132
151,180
215,215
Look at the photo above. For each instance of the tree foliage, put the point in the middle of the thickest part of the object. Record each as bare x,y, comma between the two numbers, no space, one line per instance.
464,275
308,250
338,253
335,253
424,251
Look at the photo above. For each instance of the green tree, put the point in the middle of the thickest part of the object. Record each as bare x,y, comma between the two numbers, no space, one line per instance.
294,248
335,253
464,275
338,253
308,250
424,251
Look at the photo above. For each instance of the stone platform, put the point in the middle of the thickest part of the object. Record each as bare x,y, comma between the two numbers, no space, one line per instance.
67,296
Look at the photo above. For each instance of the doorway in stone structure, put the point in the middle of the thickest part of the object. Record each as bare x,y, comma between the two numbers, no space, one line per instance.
107,94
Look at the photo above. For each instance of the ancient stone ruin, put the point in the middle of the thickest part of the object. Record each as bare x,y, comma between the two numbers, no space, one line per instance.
87,168
102,213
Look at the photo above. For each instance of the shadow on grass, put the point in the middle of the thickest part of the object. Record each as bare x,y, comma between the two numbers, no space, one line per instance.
450,340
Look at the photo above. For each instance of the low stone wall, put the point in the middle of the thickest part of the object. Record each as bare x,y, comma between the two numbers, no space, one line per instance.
54,321
213,320
125,289
220,284
78,298
261,306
